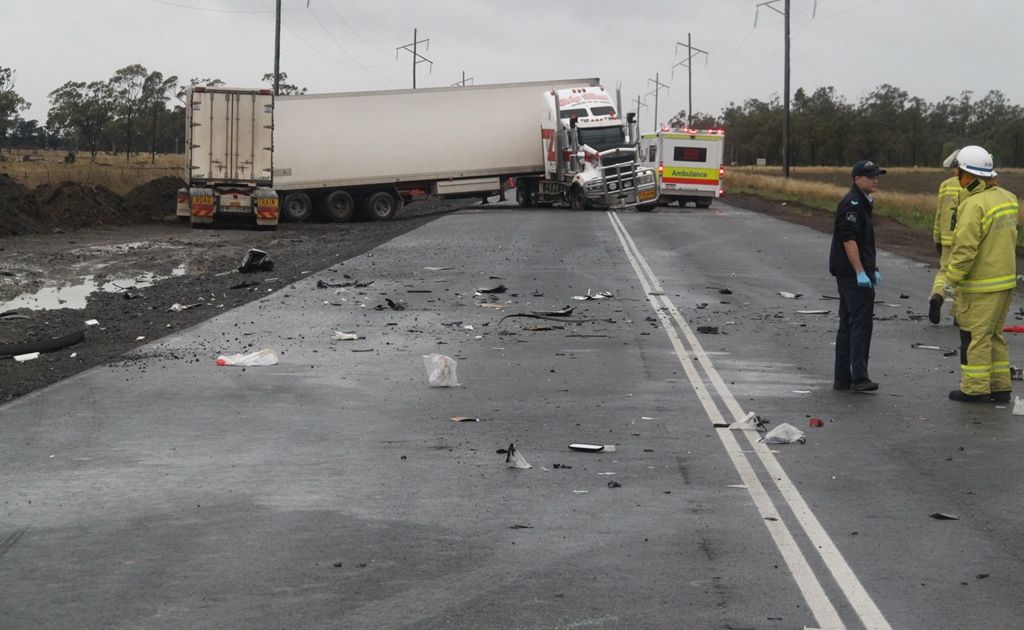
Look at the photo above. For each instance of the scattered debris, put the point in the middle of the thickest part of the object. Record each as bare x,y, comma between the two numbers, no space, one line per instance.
498,289
21,358
256,260
542,327
345,336
393,305
1018,406
946,352
563,312
176,307
816,422
441,370
558,318
593,448
515,459
465,419
496,306
245,284
518,526
1016,373
801,391
942,516
580,491
814,311
256,359
722,290
656,292
708,330
904,296
601,295
785,433
749,422
327,284
561,466
790,296
437,268
92,322
614,484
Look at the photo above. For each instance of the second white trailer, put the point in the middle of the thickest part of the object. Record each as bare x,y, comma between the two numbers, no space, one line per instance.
337,153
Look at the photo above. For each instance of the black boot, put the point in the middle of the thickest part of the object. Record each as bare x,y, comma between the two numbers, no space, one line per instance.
1000,397
959,396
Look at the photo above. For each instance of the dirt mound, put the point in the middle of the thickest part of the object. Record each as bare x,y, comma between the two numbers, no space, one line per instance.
154,199
72,205
19,210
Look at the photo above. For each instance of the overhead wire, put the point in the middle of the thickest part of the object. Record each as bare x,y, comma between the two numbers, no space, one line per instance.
209,10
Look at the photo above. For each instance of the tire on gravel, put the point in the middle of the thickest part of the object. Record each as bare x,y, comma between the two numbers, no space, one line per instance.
339,206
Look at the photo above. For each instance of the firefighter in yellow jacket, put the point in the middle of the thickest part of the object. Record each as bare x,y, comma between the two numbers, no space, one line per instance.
982,269
942,232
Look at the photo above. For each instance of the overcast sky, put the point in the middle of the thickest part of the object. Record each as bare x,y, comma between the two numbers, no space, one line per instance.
930,48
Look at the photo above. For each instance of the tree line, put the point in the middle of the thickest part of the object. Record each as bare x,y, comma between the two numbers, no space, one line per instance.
887,125
133,110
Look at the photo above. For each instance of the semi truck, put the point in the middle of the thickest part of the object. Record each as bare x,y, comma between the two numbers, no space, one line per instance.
229,157
688,162
343,154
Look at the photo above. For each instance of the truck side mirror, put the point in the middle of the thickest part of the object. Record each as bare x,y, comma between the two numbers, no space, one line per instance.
630,118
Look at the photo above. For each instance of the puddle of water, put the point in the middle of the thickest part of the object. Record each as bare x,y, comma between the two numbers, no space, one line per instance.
76,296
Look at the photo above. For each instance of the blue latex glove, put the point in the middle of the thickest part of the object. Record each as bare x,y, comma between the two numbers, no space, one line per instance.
878,278
863,280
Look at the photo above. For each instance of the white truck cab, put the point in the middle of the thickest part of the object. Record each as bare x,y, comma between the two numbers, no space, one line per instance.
688,163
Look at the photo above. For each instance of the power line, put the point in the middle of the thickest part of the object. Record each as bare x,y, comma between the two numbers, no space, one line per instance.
688,63
208,10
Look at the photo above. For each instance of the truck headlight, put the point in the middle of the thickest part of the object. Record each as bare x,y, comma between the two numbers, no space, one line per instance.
646,178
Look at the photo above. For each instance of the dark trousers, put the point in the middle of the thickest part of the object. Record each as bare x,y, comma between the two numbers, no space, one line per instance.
853,339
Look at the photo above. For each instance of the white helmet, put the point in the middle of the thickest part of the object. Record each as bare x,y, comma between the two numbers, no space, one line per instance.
975,160
950,162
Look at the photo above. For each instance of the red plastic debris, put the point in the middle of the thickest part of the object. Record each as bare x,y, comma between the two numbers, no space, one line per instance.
817,422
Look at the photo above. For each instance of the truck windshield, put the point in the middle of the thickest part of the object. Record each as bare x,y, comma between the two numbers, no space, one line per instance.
603,138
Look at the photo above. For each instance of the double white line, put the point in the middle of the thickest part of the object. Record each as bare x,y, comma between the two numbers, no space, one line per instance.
818,601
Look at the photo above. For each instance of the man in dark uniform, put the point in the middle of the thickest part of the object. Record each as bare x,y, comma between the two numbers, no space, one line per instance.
852,262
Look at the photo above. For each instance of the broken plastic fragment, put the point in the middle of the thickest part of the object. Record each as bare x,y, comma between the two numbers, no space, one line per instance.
593,448
441,370
21,358
92,322
1018,406
942,516
814,311
946,352
498,289
816,422
707,330
790,296
515,459
465,419
256,260
176,307
749,422
256,359
345,336
785,433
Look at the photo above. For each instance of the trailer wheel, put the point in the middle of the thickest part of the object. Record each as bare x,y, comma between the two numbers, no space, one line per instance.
339,206
577,200
297,207
381,206
525,196
703,203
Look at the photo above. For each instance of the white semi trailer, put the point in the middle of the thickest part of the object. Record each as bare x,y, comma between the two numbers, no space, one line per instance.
229,157
337,154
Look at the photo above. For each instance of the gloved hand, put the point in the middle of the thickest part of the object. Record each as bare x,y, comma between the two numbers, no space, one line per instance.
878,278
863,280
949,291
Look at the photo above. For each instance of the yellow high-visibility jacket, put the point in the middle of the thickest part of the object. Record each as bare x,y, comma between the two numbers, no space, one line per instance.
983,258
950,195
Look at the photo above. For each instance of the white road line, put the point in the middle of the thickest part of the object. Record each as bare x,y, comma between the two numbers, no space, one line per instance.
821,606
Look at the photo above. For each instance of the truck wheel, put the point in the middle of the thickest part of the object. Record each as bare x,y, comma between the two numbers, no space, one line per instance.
577,200
339,206
703,203
524,195
381,206
296,207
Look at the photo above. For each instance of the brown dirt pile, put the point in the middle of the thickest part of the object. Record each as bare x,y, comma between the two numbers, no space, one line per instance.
19,210
153,200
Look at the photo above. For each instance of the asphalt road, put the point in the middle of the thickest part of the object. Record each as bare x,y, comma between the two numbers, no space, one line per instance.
334,490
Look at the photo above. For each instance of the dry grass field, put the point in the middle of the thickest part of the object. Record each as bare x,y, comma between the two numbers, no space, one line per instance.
33,168
907,195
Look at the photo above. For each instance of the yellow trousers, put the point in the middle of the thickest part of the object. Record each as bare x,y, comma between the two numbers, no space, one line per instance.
984,358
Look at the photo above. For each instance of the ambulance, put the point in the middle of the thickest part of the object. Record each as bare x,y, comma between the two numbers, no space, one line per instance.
688,163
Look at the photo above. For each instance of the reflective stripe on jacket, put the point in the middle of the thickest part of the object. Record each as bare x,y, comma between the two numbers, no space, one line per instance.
983,258
950,195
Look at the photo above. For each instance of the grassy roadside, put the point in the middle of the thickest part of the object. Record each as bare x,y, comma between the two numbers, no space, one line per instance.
912,209
33,168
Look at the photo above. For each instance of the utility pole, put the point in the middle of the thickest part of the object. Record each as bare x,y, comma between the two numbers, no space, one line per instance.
417,58
277,48
785,81
688,62
464,79
639,103
657,86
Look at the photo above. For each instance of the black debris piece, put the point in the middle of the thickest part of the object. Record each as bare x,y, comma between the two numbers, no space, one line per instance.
614,484
256,260
942,516
518,526
561,466
904,296
498,289
565,311
46,345
326,284
245,284
708,330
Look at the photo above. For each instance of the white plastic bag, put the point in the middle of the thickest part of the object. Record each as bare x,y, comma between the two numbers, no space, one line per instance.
441,370
785,433
255,359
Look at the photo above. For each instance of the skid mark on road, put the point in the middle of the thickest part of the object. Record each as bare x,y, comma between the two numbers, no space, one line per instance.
821,606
